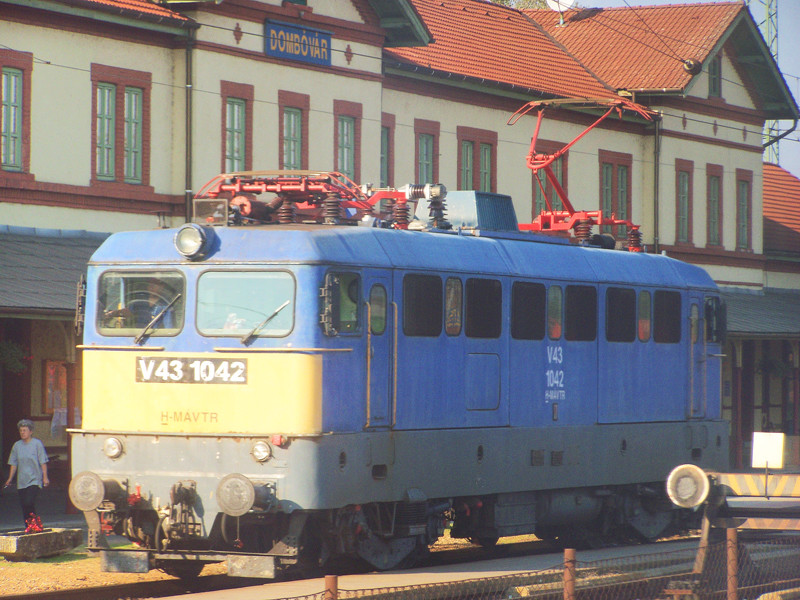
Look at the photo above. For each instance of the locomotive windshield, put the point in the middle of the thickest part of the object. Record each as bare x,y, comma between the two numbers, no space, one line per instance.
245,304
130,303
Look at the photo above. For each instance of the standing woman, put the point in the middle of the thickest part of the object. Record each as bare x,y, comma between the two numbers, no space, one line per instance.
28,461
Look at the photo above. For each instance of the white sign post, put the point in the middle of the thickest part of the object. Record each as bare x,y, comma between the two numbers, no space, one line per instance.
767,452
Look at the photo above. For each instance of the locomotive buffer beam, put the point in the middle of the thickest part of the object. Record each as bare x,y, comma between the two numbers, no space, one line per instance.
758,501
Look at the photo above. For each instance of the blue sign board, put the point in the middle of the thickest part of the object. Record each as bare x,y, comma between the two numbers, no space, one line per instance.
283,40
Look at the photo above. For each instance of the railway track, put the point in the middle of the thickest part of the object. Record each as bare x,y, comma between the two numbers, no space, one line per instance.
453,553
142,589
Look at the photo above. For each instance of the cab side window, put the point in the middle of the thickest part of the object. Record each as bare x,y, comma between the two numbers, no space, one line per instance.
340,311
349,284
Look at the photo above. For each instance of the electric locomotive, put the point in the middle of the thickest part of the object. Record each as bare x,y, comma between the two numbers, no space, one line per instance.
322,374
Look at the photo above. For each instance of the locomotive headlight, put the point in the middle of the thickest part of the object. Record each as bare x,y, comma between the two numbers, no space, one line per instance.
261,451
112,447
192,241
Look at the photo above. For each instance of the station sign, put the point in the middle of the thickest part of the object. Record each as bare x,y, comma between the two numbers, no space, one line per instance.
284,40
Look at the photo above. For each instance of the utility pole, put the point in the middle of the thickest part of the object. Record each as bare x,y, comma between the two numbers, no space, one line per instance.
769,29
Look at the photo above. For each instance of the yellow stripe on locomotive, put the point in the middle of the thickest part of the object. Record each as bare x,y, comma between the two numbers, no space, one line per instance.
203,393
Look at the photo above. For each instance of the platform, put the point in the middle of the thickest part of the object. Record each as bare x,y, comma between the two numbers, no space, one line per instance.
21,546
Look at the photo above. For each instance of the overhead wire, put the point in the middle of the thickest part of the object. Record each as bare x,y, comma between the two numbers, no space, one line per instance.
258,100
636,13
671,53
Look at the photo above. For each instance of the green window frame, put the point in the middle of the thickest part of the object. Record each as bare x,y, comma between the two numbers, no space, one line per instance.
134,100
12,89
346,146
425,144
539,203
485,172
622,198
106,127
742,214
467,149
607,198
235,132
683,206
622,191
714,187
292,138
715,77
615,200
385,150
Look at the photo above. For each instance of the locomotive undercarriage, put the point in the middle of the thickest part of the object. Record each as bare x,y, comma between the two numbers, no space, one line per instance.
384,535
390,534
577,518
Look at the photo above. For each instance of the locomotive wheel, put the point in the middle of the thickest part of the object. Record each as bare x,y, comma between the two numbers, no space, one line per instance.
314,553
385,554
484,541
182,569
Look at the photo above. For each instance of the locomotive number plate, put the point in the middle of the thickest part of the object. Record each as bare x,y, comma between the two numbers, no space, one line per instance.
190,370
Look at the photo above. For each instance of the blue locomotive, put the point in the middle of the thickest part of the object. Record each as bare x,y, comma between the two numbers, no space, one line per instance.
323,375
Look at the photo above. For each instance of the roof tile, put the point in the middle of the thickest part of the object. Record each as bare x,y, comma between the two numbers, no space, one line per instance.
485,41
134,7
644,47
781,197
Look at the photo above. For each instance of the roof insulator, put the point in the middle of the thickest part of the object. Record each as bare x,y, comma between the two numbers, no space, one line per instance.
692,66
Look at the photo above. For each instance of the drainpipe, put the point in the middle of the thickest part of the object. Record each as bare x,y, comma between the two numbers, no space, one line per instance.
656,182
188,128
778,138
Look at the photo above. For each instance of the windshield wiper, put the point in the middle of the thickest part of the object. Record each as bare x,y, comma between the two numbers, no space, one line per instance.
260,326
138,339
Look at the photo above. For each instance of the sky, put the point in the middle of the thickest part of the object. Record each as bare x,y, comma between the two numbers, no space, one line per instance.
788,59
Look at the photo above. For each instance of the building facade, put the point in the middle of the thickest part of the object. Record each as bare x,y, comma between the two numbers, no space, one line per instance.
113,114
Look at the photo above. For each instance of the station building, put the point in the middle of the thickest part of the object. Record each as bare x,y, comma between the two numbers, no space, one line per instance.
115,113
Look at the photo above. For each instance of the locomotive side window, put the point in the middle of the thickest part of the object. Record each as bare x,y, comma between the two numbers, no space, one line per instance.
554,312
245,303
422,305
527,311
644,318
620,315
377,309
349,293
453,291
484,308
667,317
694,323
581,313
129,302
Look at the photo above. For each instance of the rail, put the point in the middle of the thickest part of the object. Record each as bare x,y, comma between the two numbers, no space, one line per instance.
735,568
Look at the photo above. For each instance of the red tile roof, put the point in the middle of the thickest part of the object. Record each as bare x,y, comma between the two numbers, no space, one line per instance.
485,41
641,47
781,210
151,11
